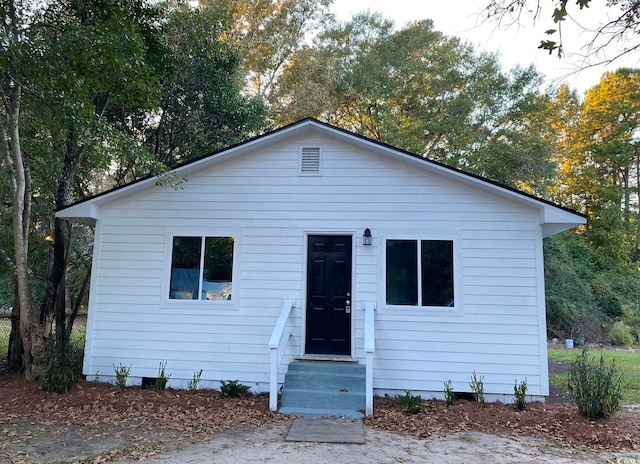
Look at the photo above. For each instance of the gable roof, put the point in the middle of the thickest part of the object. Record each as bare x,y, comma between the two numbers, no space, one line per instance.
553,218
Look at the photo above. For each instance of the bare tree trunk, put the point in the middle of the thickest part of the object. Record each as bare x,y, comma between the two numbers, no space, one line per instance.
76,306
15,350
31,331
54,302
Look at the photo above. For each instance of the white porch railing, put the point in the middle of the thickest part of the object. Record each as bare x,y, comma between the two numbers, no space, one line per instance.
369,349
277,347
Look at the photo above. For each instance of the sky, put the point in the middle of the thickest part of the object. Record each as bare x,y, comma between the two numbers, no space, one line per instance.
516,45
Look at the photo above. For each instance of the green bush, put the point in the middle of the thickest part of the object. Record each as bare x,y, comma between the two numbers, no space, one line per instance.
122,374
193,383
477,387
520,392
621,334
595,386
63,366
233,389
413,403
449,394
163,378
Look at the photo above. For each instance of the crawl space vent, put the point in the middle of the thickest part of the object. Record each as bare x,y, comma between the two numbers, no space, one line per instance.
310,161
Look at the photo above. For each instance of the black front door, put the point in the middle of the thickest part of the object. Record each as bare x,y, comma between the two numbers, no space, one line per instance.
329,295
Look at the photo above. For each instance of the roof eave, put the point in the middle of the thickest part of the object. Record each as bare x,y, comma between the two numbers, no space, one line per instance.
84,213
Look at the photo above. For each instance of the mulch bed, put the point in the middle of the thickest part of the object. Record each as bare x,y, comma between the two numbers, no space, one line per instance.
555,421
201,415
93,403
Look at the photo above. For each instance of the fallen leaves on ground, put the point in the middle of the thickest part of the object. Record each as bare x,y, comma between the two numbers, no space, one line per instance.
557,421
104,411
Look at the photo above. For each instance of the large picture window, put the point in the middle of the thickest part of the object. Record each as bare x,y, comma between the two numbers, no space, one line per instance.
201,268
419,273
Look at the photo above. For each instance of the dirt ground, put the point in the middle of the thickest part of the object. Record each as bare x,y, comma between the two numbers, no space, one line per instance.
98,423
266,444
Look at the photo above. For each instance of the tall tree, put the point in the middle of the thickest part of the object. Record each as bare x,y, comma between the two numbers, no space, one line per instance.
268,33
420,90
91,60
108,90
606,161
15,43
595,143
202,106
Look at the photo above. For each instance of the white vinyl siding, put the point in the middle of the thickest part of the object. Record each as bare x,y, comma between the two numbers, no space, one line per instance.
265,200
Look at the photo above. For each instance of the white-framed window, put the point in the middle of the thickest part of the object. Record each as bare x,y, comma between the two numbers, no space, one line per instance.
201,267
420,273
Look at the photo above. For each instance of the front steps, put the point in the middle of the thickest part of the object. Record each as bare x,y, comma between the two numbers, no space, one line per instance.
324,389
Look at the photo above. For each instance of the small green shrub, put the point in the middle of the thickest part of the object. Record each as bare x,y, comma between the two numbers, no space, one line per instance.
63,366
413,403
122,374
449,395
233,389
621,334
193,383
477,387
163,378
520,392
595,386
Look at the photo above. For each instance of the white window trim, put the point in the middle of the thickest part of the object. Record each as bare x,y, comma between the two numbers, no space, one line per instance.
233,303
456,309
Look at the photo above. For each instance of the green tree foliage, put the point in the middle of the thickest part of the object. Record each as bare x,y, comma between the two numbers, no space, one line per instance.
425,92
268,33
202,106
99,93
592,276
601,166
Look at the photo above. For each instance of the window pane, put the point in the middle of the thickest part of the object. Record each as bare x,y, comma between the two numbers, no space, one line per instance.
437,273
402,272
218,268
185,268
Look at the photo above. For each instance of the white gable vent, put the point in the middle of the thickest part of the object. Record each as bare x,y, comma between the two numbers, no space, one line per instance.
310,161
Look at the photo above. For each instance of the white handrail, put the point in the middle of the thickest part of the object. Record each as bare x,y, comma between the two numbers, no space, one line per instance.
369,349
277,346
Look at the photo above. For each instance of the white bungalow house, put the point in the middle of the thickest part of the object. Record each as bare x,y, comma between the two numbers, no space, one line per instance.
313,242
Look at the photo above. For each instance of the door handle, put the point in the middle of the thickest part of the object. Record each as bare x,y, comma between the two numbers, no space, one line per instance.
347,308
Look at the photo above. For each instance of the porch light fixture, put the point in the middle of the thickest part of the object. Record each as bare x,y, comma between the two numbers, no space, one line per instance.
366,237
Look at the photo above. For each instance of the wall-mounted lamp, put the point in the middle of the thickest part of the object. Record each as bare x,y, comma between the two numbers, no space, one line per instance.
366,237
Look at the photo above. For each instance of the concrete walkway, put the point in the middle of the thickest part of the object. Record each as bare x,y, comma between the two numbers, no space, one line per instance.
326,431
267,444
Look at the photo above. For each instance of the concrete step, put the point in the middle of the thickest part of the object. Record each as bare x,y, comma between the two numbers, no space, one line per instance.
322,399
326,382
324,389
333,367
315,412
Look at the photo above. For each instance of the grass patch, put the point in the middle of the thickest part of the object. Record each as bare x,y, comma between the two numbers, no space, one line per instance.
78,337
77,340
4,345
627,363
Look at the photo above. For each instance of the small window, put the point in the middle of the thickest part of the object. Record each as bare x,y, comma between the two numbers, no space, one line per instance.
419,273
201,268
310,161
